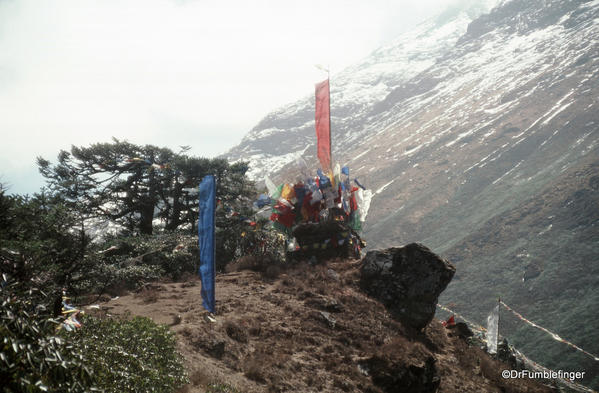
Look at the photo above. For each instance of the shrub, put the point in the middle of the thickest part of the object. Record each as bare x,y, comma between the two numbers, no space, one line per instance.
116,281
236,239
33,357
135,355
40,240
123,264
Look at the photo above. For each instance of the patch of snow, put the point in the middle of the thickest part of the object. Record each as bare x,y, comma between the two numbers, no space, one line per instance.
508,172
556,112
360,155
383,187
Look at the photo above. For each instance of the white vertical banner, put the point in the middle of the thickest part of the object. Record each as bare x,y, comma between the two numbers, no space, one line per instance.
492,330
365,206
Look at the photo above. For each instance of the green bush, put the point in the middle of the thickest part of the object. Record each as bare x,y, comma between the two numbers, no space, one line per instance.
40,240
236,239
33,357
176,253
132,276
115,281
131,355
175,265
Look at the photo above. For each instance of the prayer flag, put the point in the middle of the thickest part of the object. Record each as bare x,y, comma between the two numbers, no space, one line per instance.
336,175
271,187
358,183
449,322
323,124
262,201
300,192
283,208
285,219
493,330
363,198
301,163
206,236
288,192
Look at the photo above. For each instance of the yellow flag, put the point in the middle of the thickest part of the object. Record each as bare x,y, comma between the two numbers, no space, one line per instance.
288,192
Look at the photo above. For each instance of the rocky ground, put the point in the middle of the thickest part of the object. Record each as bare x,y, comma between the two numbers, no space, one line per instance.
310,328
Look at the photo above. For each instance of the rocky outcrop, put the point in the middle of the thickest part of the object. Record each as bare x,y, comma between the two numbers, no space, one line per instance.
407,280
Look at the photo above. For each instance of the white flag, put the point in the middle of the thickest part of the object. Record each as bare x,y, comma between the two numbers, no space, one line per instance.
271,186
365,204
492,330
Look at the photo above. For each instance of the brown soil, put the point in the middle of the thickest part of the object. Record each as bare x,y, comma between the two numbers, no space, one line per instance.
309,328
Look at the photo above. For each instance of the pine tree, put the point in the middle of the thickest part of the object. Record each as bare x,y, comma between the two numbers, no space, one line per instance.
133,185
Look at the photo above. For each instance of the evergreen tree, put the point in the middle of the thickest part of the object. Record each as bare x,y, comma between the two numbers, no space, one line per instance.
133,185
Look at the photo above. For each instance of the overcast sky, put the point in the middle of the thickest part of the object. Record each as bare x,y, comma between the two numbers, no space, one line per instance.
200,73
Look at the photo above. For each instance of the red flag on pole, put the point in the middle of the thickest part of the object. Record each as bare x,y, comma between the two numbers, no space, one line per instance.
323,124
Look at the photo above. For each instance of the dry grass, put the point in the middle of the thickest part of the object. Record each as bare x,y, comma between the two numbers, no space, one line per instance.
237,330
198,378
255,369
148,295
270,268
275,338
177,319
189,280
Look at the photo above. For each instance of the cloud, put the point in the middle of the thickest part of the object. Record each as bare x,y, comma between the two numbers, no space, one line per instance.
198,73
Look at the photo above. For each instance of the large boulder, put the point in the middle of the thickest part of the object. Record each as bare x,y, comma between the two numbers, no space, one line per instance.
407,280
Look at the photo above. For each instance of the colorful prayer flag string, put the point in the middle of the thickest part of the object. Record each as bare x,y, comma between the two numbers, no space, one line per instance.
555,336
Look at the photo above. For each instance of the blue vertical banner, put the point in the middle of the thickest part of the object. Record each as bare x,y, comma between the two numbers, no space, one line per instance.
206,235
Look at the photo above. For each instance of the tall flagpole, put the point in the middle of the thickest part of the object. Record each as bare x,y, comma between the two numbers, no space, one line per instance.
330,132
498,312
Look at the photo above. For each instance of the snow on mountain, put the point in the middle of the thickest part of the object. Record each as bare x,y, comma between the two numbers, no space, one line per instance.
281,134
518,84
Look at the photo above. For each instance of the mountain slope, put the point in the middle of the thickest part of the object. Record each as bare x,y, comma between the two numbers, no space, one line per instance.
489,156
495,167
281,134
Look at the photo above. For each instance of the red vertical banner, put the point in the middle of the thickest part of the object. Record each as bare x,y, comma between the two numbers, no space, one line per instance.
323,124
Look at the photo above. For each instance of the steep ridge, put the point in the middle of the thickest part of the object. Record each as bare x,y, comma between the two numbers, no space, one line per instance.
311,328
489,156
